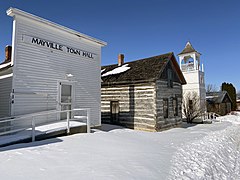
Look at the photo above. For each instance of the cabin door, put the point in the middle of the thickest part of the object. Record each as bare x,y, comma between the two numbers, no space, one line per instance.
65,98
114,111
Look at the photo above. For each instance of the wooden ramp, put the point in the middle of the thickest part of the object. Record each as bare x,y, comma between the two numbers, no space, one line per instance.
52,130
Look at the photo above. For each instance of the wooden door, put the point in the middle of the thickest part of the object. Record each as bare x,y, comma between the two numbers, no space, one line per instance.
114,111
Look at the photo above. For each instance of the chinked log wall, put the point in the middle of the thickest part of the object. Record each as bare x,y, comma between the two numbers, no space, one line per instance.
163,91
141,105
137,105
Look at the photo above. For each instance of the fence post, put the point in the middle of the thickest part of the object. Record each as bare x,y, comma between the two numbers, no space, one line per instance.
88,121
33,129
68,123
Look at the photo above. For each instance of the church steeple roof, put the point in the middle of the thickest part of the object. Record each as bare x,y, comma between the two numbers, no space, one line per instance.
188,49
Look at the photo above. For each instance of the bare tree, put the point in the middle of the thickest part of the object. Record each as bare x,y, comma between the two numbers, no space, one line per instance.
192,106
211,88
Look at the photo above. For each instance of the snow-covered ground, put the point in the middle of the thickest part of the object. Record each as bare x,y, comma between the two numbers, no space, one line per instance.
204,151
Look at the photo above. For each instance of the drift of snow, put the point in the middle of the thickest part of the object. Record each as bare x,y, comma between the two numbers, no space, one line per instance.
216,156
204,151
117,70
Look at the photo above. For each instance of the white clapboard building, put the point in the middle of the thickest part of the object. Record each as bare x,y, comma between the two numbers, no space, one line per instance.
49,67
193,71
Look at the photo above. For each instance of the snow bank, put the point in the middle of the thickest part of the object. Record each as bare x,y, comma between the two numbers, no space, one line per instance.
216,156
234,118
204,151
117,70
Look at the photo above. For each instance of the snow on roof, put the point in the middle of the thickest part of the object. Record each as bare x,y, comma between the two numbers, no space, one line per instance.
6,76
117,70
103,70
4,65
210,97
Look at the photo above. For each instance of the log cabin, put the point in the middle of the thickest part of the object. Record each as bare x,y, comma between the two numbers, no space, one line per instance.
145,94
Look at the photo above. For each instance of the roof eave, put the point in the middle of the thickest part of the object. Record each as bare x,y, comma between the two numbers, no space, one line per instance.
127,82
229,96
14,11
189,53
179,72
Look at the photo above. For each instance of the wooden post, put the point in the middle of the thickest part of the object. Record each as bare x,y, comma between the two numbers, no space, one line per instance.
68,123
33,129
88,121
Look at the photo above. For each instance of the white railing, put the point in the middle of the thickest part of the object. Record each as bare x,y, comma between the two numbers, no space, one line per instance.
7,127
187,67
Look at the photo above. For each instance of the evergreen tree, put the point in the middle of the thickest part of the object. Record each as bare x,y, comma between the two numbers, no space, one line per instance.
232,93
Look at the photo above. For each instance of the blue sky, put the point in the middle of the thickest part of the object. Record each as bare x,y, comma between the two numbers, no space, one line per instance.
141,29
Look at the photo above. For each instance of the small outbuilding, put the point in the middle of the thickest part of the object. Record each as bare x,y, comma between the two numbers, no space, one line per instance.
238,104
144,94
49,67
218,102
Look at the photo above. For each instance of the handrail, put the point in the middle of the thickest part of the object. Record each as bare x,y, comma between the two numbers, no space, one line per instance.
34,115
14,118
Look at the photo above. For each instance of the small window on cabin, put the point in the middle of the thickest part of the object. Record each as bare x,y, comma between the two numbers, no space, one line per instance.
165,108
175,106
170,78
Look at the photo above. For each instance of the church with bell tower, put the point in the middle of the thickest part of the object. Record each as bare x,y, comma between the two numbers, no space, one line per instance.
193,71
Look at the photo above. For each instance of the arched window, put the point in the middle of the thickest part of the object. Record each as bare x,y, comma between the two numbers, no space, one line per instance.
190,61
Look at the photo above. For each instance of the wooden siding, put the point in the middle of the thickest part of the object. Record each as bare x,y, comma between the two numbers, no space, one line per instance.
219,108
165,92
37,70
5,92
136,103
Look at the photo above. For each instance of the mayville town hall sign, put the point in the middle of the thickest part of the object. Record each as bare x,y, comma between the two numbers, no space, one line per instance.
57,46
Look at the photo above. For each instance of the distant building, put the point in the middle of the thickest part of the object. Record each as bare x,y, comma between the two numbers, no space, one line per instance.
238,102
145,94
189,60
218,102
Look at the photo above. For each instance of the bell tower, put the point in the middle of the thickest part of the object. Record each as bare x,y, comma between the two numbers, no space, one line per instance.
192,69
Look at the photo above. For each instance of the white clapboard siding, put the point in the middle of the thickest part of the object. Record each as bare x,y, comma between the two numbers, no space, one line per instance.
5,91
37,70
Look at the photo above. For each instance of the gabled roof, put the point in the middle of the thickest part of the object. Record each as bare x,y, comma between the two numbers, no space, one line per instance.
14,11
188,49
148,69
217,97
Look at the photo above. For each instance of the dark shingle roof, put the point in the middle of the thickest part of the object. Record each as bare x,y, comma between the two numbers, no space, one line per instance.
216,97
148,69
188,49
